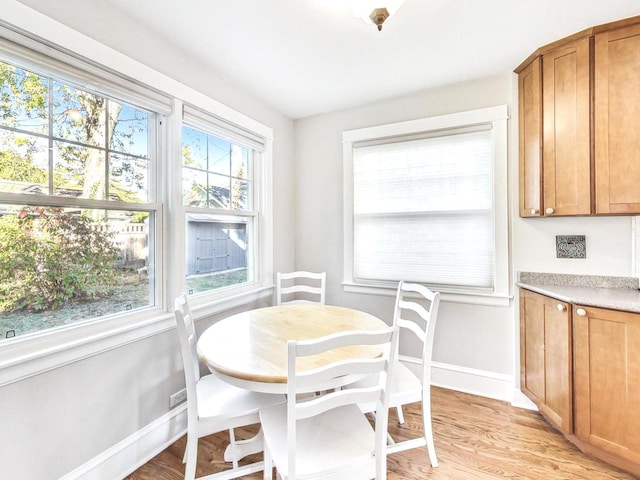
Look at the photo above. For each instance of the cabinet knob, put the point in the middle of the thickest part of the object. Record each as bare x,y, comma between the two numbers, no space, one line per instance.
581,311
549,211
562,308
534,211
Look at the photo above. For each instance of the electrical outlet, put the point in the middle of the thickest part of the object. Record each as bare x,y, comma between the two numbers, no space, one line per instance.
177,398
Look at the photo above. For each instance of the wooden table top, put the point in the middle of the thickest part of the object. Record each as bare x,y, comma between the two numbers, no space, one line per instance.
252,346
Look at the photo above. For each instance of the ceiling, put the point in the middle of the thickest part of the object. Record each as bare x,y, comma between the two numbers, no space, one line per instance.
305,57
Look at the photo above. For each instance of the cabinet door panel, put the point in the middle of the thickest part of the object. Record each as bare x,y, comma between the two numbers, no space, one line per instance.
607,380
566,120
532,346
617,120
546,358
530,125
558,364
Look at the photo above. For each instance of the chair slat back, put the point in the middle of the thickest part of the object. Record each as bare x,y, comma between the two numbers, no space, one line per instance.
299,407
187,338
407,299
311,285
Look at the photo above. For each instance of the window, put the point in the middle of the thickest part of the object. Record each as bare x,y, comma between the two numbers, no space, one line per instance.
77,203
92,221
219,201
426,202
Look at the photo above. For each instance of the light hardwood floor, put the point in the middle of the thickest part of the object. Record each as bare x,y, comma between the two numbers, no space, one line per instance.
476,438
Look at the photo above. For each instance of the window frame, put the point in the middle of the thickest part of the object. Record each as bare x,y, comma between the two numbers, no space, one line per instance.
497,117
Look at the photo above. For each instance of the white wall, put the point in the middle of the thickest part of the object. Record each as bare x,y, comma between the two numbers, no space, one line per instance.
55,422
608,240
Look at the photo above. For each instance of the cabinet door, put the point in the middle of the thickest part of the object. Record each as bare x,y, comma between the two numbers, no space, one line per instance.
617,120
567,130
530,134
546,356
607,380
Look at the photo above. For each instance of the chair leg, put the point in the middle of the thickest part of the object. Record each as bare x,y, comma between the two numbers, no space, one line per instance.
191,457
428,428
400,415
268,464
232,440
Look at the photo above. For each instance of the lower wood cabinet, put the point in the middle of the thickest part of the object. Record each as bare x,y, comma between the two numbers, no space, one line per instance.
606,346
545,356
581,366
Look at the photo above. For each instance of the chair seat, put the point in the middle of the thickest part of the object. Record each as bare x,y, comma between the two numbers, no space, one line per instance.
345,429
405,387
218,399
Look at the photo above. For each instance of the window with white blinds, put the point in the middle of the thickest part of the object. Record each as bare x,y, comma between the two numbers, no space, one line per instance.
422,204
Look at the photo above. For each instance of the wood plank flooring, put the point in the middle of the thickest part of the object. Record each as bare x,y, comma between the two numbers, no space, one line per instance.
476,438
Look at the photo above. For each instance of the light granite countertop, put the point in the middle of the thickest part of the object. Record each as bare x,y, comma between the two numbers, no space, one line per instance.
616,293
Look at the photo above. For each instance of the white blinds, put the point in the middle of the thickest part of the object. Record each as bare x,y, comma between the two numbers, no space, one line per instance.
423,209
210,123
32,52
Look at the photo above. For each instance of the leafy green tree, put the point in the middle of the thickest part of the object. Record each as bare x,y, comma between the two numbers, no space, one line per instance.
20,169
88,121
49,256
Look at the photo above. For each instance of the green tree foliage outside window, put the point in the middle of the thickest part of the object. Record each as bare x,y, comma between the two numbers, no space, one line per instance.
60,141
49,256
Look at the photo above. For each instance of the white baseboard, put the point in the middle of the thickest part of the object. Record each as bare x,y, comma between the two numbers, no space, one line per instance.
470,380
522,401
477,382
134,451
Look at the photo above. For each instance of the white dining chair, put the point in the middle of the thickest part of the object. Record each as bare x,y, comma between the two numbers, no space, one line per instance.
328,437
214,405
300,287
406,386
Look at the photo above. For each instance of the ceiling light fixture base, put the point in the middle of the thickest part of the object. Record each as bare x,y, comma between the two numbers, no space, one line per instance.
378,16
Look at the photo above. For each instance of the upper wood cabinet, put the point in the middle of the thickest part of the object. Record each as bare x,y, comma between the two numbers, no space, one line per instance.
579,114
530,132
617,121
566,134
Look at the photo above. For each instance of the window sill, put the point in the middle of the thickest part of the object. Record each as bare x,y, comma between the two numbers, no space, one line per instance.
451,296
33,354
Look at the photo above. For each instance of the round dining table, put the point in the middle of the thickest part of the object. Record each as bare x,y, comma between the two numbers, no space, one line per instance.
249,349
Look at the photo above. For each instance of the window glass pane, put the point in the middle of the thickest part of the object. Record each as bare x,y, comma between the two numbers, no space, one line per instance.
24,99
65,265
194,148
78,171
24,163
217,252
130,133
240,162
79,116
194,187
239,195
216,175
219,155
128,178
219,191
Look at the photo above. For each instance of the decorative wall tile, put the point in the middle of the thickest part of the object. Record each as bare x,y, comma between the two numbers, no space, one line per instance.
571,246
